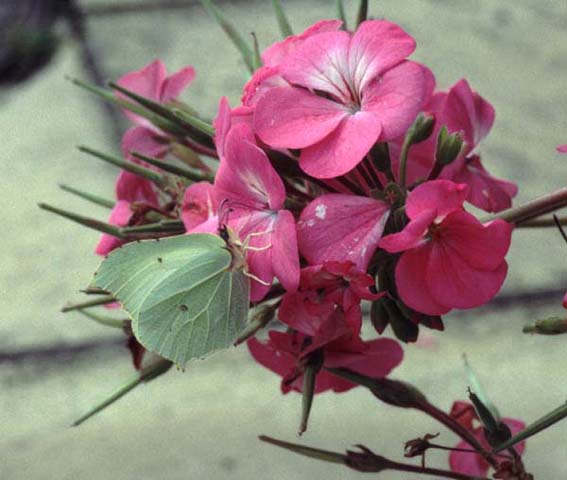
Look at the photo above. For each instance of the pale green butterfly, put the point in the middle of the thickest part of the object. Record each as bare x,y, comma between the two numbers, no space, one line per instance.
188,295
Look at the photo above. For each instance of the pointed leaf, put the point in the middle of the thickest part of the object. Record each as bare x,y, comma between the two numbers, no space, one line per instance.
185,299
91,197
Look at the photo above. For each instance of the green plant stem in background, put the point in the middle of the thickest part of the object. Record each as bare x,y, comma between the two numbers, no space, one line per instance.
283,23
91,197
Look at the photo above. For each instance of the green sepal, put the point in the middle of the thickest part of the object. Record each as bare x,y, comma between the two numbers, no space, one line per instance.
420,130
341,14
283,22
362,14
312,367
174,169
316,453
131,167
231,32
104,320
91,197
449,147
148,373
85,221
89,304
539,425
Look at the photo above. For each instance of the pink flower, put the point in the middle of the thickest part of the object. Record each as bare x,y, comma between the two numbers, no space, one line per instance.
348,91
340,227
255,196
450,259
226,118
565,300
471,463
562,148
284,354
130,189
151,82
463,111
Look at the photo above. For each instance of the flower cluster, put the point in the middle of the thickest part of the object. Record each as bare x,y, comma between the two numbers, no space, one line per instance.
334,173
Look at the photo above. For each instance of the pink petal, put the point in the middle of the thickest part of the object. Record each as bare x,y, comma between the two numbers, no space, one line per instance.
144,140
199,205
274,54
441,195
411,236
486,192
263,79
466,111
516,426
397,97
175,84
267,355
226,118
341,227
119,216
133,188
287,117
146,82
321,63
468,463
481,246
562,148
377,46
245,175
379,358
455,283
285,254
411,281
565,300
341,150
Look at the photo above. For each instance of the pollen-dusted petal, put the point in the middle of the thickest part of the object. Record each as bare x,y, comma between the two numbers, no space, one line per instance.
176,83
411,236
396,97
344,148
341,227
441,195
376,46
412,272
452,281
321,63
285,253
287,117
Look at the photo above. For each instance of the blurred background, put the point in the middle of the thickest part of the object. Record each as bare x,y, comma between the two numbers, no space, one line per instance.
203,423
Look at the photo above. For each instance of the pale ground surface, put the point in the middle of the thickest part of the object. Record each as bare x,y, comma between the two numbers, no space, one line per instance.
203,424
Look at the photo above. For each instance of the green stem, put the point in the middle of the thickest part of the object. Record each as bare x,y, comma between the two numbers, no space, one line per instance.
88,304
533,209
283,23
170,168
362,12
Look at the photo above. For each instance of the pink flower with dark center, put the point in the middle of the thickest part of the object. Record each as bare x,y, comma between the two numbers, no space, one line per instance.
255,196
130,189
450,259
472,463
151,82
284,354
340,227
348,91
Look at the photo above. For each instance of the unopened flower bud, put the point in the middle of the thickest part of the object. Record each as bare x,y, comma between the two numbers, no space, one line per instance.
421,129
449,147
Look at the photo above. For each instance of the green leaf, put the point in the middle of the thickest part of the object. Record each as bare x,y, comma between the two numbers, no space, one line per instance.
283,23
184,297
230,31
